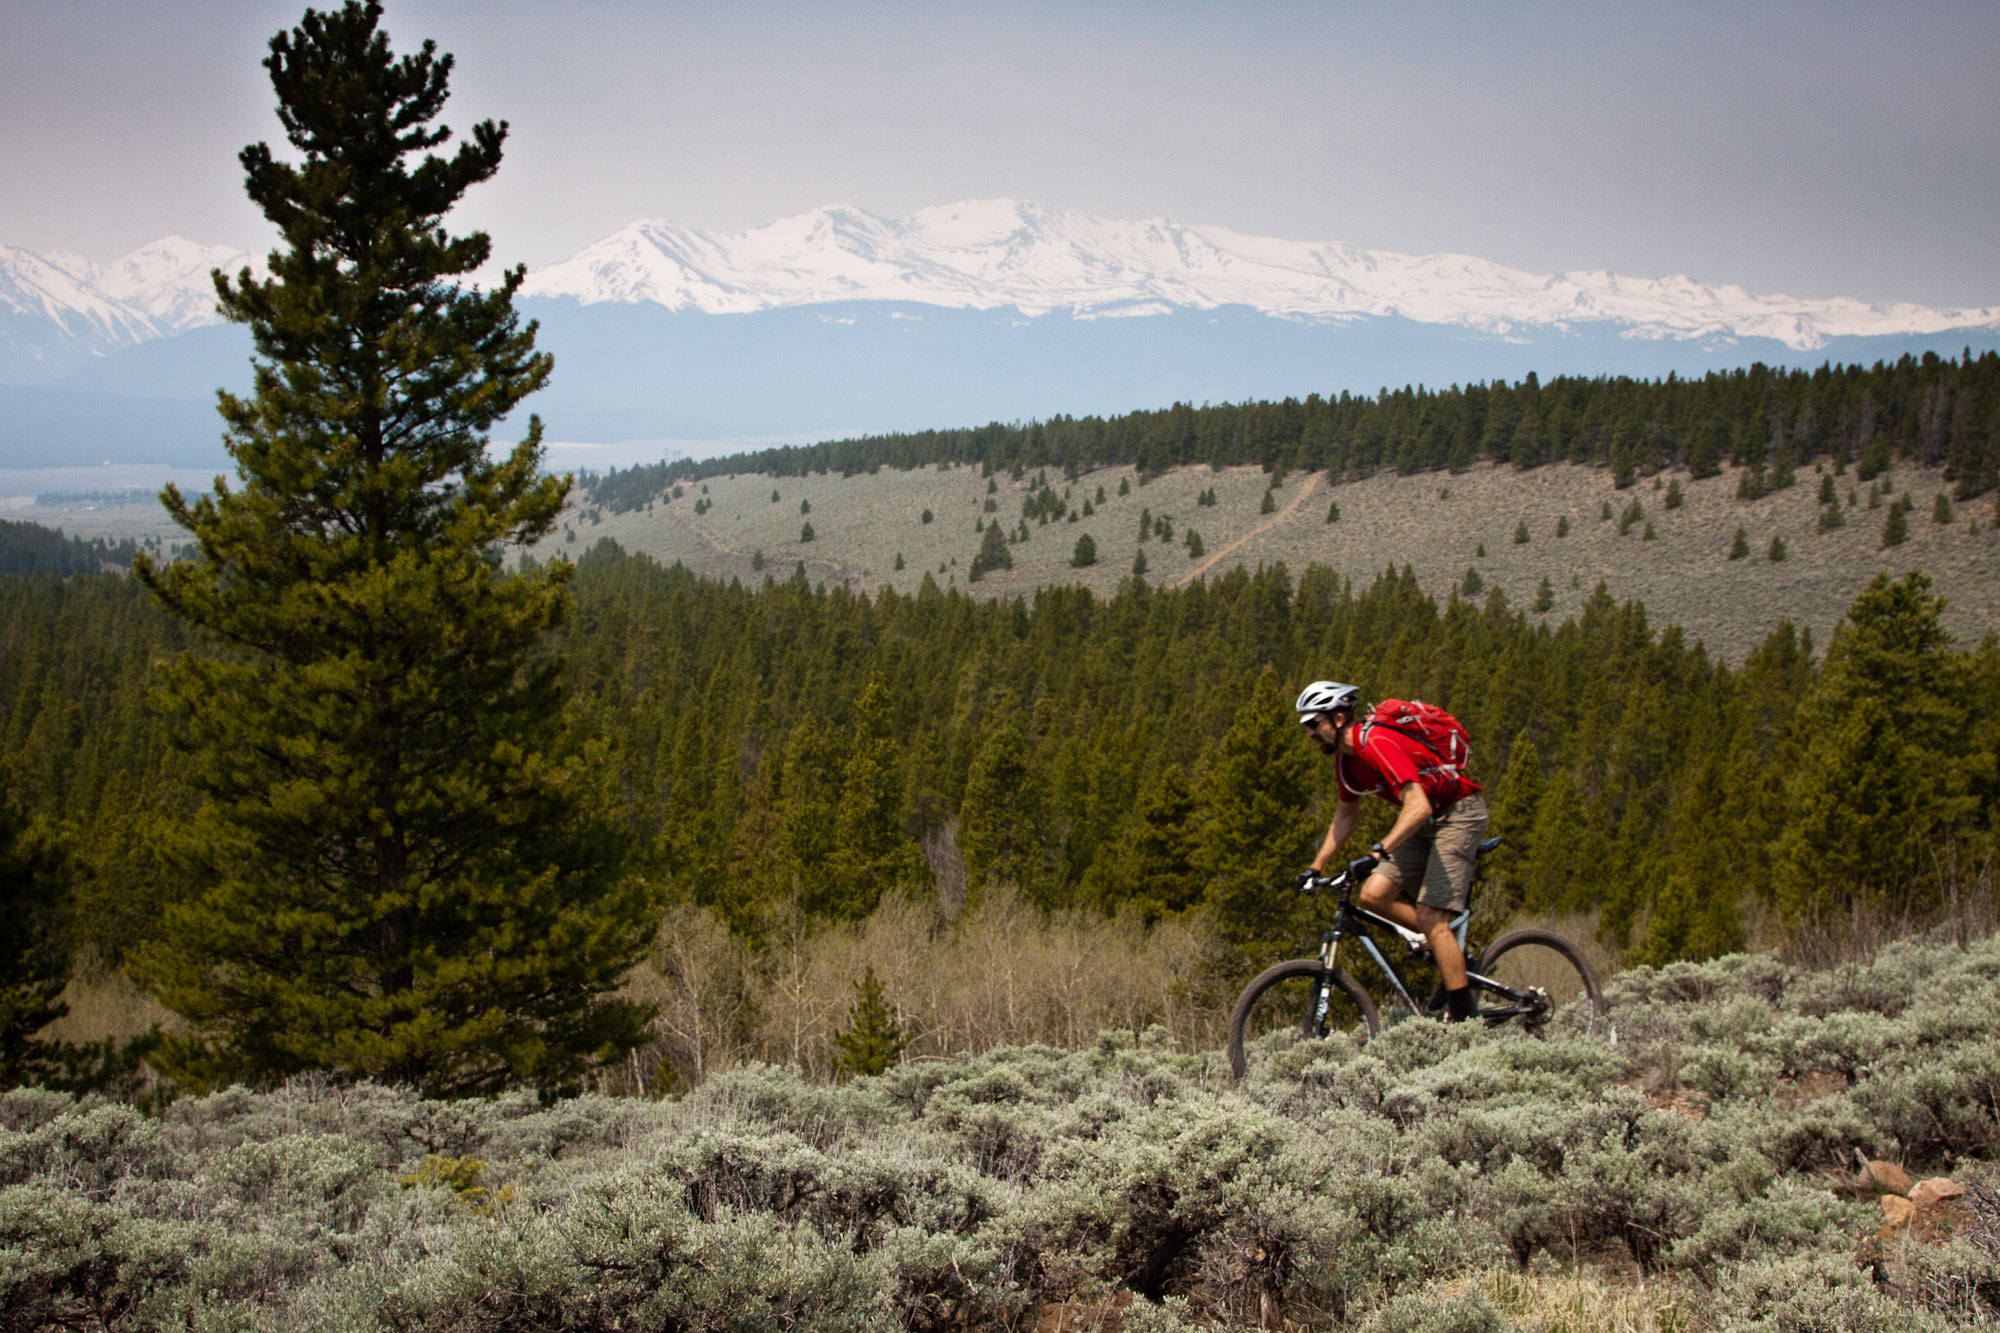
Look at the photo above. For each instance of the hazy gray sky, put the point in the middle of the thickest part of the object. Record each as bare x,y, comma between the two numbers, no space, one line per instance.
1818,149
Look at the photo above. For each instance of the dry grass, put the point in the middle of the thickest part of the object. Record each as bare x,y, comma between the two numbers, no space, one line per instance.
1581,1302
1002,973
1967,908
104,1003
1579,928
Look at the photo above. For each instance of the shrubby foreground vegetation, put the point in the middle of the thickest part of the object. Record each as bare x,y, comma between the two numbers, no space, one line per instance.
376,801
1690,1174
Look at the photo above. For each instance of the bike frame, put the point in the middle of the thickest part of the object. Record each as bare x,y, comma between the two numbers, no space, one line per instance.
1354,921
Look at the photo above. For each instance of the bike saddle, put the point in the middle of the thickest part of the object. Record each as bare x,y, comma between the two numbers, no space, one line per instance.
1489,845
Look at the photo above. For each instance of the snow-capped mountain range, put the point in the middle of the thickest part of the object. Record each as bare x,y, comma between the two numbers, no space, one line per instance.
838,322
59,306
994,253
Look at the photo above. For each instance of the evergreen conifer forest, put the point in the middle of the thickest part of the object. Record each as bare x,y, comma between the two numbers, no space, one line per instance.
790,763
415,922
1931,410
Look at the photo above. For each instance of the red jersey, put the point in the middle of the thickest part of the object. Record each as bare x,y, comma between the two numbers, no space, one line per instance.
1383,760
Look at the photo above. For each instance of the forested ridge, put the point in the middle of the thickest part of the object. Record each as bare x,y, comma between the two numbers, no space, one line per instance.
1939,411
30,548
790,751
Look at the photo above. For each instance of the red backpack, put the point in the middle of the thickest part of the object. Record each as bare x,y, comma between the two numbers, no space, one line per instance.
1429,726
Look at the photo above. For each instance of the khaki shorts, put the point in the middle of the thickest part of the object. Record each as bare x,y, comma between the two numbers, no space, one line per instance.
1440,856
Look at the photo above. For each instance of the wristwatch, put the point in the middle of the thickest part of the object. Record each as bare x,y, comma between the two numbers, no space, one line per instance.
1380,851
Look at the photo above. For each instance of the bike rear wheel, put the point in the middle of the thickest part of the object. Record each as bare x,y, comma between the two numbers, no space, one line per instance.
1558,989
1301,998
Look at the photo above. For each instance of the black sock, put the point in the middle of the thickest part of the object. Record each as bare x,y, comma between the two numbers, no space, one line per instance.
1458,1004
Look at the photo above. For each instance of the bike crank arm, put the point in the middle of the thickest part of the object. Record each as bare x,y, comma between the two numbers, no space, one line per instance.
1522,1003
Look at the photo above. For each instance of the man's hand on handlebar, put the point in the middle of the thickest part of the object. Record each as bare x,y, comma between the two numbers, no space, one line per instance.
1361,867
1308,880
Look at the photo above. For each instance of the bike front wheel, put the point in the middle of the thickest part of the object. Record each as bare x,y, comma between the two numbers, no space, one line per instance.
1301,1000
1553,986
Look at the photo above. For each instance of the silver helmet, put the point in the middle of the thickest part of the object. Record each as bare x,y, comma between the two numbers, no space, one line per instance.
1325,696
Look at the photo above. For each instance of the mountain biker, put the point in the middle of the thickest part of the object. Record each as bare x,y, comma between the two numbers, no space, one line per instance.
1421,871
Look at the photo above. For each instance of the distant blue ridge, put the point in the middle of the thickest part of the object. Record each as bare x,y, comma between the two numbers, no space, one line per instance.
47,428
640,372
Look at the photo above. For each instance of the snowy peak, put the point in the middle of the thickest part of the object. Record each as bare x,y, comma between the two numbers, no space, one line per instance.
169,280
157,289
995,253
60,310
75,265
57,294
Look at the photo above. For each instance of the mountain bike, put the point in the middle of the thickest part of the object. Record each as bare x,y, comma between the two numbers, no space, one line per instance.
1531,977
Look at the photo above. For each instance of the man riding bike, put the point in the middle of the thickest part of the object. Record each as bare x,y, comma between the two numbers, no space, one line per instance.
1420,874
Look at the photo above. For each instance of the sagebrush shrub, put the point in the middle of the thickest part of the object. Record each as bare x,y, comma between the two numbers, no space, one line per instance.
1339,1186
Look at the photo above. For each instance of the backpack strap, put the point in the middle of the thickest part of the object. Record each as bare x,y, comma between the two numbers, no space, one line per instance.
1407,734
1440,766
1347,784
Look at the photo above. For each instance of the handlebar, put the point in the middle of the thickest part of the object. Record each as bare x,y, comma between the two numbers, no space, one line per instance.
1339,880
1319,882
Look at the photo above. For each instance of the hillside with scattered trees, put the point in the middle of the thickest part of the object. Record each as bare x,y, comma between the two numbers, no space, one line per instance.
1717,557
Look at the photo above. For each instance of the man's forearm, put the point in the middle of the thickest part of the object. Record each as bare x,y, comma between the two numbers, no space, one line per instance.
1416,809
1345,816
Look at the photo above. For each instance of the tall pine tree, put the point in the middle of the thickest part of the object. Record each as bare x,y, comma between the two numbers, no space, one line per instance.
1256,829
1160,872
872,855
34,965
1514,804
1000,832
396,870
1891,759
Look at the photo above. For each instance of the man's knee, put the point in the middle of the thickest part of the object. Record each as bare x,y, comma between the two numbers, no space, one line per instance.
1379,891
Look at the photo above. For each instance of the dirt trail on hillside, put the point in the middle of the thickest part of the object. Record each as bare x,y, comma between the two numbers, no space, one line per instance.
834,568
1312,484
